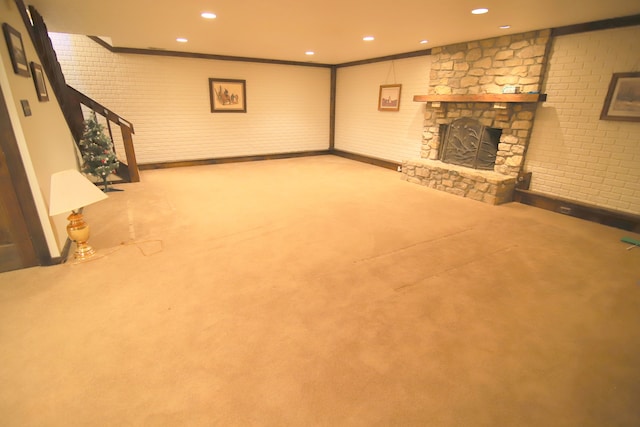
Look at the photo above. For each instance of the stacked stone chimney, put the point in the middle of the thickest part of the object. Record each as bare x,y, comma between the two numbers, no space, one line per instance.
487,66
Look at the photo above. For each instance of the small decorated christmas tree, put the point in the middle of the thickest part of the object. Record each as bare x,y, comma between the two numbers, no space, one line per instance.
97,151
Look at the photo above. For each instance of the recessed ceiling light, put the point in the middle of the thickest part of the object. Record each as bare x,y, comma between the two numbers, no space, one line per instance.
504,27
208,15
480,11
368,38
309,52
424,41
182,40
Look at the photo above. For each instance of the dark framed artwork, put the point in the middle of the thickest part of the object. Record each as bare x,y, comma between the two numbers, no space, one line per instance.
16,50
228,95
623,98
39,82
389,97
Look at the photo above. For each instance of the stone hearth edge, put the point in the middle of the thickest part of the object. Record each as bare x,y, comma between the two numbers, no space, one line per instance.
485,186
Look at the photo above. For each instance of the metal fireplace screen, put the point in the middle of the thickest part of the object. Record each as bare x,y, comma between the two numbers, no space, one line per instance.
468,143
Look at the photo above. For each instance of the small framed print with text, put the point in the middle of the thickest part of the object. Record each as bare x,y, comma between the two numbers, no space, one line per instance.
389,97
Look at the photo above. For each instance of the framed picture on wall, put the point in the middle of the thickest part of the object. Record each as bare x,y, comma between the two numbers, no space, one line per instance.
39,82
16,50
389,97
228,95
623,98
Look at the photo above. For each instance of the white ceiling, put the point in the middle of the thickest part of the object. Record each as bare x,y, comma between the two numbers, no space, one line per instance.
333,29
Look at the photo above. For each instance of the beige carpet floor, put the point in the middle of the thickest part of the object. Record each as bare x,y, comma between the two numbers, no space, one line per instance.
323,292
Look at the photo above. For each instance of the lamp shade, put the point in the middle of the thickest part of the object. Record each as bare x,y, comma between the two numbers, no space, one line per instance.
70,190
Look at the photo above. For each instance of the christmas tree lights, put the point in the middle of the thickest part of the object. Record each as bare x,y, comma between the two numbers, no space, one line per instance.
97,151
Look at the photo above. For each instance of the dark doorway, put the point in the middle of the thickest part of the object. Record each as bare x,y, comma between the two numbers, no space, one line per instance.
17,248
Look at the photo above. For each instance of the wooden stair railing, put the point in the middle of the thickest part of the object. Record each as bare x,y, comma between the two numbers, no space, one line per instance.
127,170
69,99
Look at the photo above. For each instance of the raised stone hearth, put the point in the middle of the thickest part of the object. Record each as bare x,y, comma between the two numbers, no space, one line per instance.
485,186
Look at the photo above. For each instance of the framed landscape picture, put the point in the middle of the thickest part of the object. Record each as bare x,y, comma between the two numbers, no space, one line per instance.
623,98
38,81
228,95
16,50
389,97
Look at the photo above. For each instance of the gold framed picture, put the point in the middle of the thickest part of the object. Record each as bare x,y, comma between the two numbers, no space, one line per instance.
389,97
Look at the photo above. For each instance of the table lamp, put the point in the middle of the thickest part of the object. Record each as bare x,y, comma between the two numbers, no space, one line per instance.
70,191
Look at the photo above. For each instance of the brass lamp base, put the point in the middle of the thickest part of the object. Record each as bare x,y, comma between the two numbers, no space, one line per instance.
78,231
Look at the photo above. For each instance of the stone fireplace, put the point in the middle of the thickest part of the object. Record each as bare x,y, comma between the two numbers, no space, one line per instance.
465,101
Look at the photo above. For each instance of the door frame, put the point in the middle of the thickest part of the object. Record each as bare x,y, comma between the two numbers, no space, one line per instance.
9,146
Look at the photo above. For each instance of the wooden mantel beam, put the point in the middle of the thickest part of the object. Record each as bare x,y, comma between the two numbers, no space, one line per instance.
484,97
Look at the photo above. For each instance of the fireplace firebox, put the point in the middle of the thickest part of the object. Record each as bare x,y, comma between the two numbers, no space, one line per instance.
468,143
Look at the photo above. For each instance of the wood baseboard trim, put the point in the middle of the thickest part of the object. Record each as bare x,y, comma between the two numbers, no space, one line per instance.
215,161
387,164
612,218
222,160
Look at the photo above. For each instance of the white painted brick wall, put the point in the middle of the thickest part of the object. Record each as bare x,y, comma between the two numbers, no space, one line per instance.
361,128
574,154
167,100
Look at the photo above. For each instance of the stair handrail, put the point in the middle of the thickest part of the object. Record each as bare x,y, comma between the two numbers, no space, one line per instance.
129,169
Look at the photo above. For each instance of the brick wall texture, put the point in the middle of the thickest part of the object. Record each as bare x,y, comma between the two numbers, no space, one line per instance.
572,152
361,128
167,100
